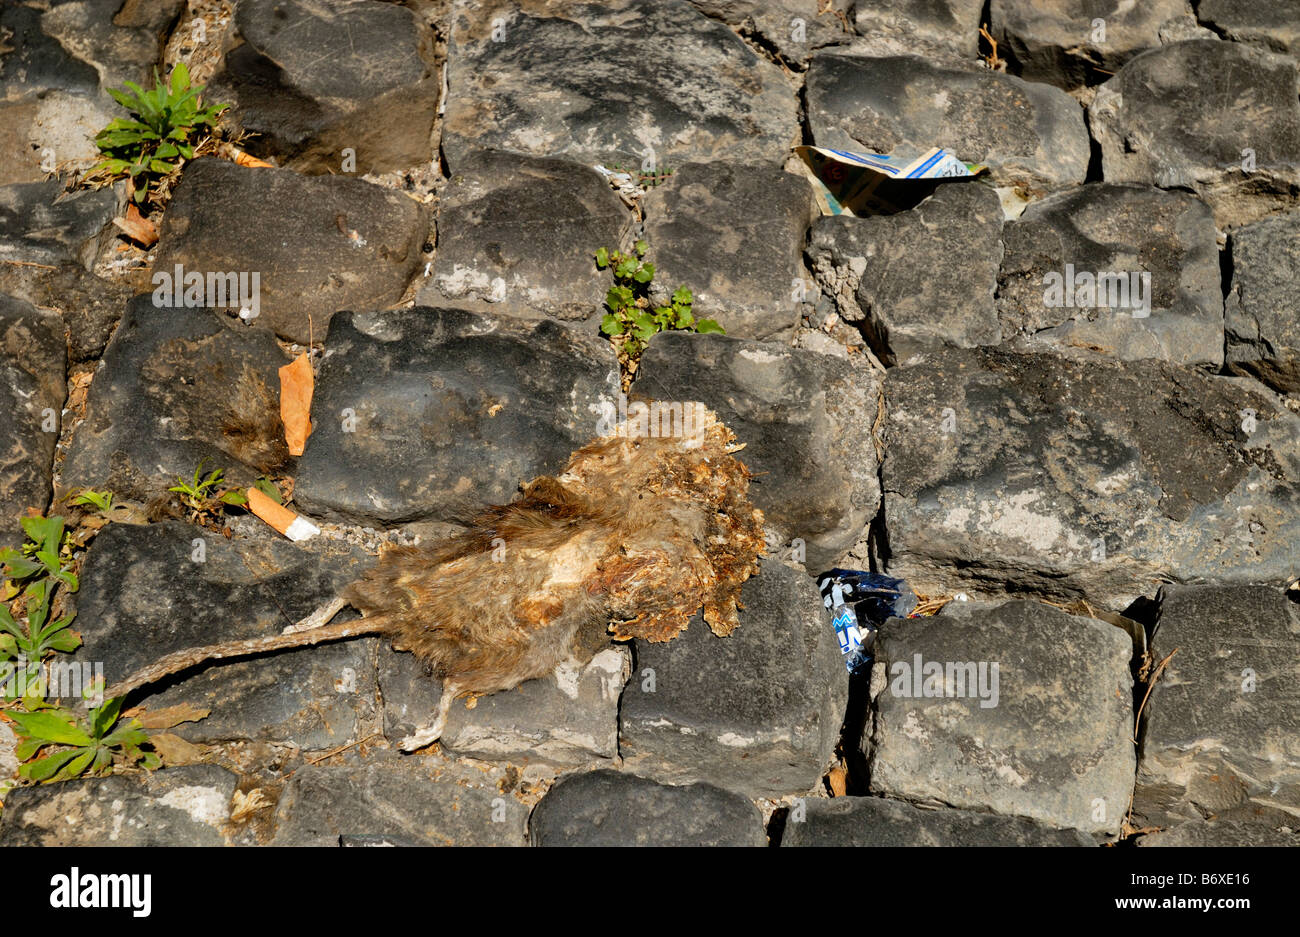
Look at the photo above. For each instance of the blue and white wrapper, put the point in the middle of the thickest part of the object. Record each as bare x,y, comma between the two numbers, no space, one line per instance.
857,601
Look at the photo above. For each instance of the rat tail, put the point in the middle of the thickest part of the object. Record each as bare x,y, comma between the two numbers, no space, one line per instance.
191,657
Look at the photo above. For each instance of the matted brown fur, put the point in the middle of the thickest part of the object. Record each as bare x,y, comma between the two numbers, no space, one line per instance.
631,540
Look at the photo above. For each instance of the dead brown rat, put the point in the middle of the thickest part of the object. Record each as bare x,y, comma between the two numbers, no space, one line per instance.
635,536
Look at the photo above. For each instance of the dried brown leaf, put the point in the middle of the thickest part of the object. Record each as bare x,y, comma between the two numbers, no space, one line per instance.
137,227
296,386
169,716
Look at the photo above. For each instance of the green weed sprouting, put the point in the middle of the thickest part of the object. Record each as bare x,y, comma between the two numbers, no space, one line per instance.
631,319
160,134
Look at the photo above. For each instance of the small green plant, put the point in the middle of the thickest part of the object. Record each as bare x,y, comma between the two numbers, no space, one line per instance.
68,744
101,501
160,134
631,318
202,492
38,566
73,745
640,177
268,488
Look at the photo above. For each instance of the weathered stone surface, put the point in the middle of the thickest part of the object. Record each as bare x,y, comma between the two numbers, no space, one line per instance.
758,712
1221,833
609,808
732,234
1222,725
925,27
1132,231
20,157
919,279
32,60
144,595
1049,740
805,420
318,245
177,386
314,77
423,413
1262,22
1092,478
91,306
121,39
517,235
33,374
1031,136
877,821
638,80
1062,43
1262,312
187,806
788,27
1233,140
565,719
56,61
417,802
41,225
54,131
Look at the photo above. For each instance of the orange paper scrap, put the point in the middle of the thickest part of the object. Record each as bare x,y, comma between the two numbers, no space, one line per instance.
296,386
294,526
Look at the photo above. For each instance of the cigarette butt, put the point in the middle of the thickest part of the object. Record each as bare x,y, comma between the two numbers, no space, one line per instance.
247,159
294,526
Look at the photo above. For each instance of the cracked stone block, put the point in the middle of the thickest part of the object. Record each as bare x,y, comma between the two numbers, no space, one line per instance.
638,83
1271,25
151,590
316,245
41,225
732,234
568,718
314,78
1123,270
1262,312
788,27
1031,136
188,806
920,279
32,61
1219,118
56,62
1222,833
877,821
426,413
609,808
1222,728
91,306
1070,44
81,46
935,29
121,40
177,386
805,420
33,369
1016,709
518,235
415,802
1095,479
758,712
